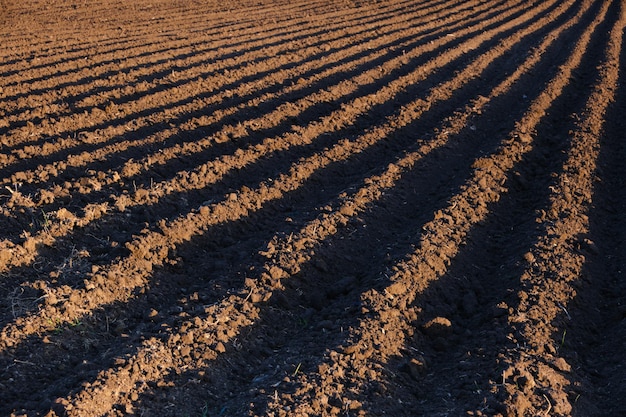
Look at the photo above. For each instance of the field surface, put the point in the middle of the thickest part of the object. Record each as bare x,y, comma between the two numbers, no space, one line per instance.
312,208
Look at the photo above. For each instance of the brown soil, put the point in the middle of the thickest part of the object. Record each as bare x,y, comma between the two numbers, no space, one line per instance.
324,208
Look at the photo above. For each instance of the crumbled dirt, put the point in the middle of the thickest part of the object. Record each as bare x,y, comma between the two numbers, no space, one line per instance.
321,208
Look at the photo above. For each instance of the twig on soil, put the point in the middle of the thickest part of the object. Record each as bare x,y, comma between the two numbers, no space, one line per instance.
13,302
20,305
248,296
549,405
562,307
297,369
24,362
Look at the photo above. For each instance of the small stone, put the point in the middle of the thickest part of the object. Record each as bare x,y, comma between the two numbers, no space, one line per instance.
188,337
525,138
355,405
276,272
256,297
396,288
350,349
438,327
417,367
561,365
529,257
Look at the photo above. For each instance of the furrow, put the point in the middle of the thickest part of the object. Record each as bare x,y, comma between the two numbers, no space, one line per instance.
258,207
324,229
21,254
439,244
115,106
176,57
555,262
281,76
194,124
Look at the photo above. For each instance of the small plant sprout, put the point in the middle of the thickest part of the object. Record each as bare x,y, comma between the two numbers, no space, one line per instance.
297,369
45,223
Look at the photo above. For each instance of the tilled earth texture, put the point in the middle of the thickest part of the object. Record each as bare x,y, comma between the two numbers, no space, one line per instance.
312,208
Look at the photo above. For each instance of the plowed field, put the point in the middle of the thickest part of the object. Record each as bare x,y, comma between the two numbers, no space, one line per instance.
312,208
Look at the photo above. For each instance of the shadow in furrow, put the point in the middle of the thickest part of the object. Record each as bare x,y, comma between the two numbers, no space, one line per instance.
125,42
116,226
142,214
311,302
596,331
307,196
201,48
198,49
233,102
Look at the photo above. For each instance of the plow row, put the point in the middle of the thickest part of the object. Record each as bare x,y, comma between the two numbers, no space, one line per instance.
312,208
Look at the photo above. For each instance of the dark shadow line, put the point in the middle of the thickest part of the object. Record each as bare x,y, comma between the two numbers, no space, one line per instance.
305,195
364,120
193,53
217,29
204,131
160,88
336,252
